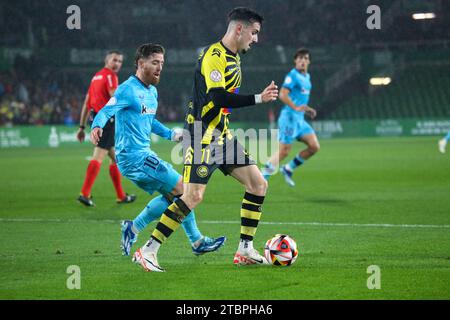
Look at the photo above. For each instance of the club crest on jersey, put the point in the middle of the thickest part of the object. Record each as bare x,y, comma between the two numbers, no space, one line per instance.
147,110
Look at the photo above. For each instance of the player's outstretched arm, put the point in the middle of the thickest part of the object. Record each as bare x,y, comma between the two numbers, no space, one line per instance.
222,98
161,130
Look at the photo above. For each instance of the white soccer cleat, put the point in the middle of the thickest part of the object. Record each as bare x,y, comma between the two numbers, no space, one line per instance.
442,144
287,174
248,257
147,260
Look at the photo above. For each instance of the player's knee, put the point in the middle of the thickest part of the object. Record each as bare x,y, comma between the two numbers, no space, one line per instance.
314,148
258,187
196,197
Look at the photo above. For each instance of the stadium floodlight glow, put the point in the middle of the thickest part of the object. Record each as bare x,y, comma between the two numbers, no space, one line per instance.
423,16
380,81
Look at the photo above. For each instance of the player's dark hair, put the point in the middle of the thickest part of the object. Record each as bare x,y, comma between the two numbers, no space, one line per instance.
245,15
146,50
114,52
302,52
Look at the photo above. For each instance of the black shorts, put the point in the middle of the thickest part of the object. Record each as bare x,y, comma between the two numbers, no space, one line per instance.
107,139
201,162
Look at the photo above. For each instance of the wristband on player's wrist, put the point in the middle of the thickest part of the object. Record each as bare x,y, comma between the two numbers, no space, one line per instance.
258,98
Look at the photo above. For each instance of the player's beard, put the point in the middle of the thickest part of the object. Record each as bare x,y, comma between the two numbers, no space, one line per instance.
154,80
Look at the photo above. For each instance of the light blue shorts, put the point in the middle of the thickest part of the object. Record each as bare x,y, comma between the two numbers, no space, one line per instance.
292,128
150,173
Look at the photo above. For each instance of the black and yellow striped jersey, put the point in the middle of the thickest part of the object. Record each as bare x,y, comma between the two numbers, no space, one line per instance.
217,67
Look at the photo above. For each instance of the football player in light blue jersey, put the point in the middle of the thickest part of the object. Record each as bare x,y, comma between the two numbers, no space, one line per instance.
443,143
292,125
134,106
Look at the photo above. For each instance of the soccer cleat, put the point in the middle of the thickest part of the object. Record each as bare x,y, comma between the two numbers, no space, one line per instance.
86,201
148,261
209,245
128,237
129,198
287,176
248,257
267,171
442,144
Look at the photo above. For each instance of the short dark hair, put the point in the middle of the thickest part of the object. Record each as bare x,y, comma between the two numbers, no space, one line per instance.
146,50
244,14
114,52
302,52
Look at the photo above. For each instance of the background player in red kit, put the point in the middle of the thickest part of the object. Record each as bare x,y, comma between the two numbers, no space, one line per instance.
102,88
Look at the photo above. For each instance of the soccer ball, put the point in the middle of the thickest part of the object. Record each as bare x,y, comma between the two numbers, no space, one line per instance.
281,250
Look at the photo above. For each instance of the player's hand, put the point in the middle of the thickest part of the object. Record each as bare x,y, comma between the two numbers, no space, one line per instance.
308,110
177,135
311,112
81,135
270,93
96,134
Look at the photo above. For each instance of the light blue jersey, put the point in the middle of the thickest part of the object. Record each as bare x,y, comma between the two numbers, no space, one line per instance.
134,106
291,123
299,86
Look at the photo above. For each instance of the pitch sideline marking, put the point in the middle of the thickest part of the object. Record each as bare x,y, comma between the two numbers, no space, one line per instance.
318,224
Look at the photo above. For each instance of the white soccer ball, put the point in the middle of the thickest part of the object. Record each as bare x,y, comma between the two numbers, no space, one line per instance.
281,250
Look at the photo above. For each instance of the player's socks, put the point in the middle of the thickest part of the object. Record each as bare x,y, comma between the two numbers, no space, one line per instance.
170,221
91,174
268,170
447,137
155,208
296,162
115,177
190,228
152,211
245,245
250,216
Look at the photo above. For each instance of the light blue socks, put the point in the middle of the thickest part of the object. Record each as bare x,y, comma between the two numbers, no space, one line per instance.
155,208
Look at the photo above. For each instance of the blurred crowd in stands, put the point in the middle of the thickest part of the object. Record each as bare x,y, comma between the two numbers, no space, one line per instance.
31,96
42,100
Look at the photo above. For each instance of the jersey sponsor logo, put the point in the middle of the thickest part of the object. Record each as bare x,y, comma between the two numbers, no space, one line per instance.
112,101
147,110
99,77
215,76
305,91
202,171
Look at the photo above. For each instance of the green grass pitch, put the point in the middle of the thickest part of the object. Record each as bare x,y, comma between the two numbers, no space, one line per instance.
359,202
